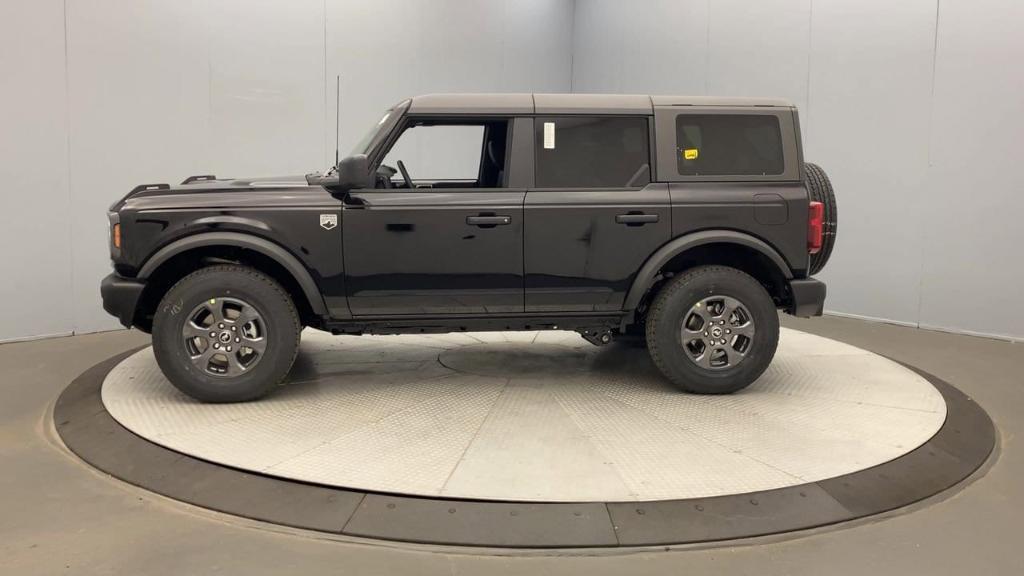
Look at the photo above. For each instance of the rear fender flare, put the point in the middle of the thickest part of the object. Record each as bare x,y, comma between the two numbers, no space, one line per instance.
249,242
648,273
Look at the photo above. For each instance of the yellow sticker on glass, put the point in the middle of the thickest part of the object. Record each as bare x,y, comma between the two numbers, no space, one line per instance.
690,154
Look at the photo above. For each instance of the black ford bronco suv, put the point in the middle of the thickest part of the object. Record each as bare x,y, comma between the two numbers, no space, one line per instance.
685,222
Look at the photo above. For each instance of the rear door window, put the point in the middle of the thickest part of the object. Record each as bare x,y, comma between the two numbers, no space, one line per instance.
728,144
592,152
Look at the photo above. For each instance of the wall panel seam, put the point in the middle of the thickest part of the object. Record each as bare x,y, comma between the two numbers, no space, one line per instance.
73,323
923,232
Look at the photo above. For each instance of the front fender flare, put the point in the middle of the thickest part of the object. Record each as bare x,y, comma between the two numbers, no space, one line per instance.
645,278
249,242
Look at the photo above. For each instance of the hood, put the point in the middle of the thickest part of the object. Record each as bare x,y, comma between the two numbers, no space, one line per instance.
210,183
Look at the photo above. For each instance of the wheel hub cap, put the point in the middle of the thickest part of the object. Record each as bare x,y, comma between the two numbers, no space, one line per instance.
717,332
224,336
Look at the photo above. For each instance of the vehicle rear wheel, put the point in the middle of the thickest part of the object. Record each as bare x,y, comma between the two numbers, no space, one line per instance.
712,330
226,334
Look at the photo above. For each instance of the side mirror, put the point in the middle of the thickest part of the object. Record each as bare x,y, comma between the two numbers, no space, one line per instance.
354,172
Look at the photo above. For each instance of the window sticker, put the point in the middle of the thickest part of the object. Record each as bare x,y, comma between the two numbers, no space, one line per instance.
690,154
549,135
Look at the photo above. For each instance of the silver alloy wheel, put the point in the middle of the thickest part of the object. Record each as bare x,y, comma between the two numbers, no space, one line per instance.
224,336
717,332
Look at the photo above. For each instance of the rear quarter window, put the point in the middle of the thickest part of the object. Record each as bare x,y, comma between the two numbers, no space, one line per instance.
728,144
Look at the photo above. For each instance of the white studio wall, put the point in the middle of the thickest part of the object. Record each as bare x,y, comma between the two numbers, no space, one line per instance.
867,122
972,268
161,90
99,96
913,108
35,210
388,51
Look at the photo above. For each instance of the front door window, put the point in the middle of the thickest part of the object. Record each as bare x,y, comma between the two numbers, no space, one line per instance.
447,154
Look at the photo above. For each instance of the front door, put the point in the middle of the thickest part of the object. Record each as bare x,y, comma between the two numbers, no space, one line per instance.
441,233
593,217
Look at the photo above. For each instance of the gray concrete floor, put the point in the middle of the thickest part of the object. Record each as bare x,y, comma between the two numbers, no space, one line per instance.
59,516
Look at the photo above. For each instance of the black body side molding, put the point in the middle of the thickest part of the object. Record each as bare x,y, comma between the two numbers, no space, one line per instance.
249,242
649,271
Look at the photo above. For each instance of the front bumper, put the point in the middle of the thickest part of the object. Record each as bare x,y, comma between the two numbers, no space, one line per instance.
120,296
808,297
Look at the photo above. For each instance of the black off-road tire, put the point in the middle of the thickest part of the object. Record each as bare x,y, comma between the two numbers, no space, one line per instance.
674,302
820,189
275,308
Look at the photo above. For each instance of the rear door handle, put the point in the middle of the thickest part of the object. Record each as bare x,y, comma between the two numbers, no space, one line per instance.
636,219
487,221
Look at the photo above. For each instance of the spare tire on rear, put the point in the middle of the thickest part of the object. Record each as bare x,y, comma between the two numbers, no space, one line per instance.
821,191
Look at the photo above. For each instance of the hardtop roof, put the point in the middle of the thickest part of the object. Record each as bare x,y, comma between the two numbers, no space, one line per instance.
522,103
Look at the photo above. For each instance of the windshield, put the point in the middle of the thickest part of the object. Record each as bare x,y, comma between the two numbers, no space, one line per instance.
364,144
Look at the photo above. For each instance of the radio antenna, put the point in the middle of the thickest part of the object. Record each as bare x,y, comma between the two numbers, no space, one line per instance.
337,118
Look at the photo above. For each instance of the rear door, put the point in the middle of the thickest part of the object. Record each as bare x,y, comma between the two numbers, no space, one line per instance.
593,216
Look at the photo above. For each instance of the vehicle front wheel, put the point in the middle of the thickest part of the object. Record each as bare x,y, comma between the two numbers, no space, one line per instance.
226,333
712,330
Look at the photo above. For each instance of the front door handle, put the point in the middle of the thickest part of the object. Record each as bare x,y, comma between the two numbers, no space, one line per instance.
636,219
488,221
